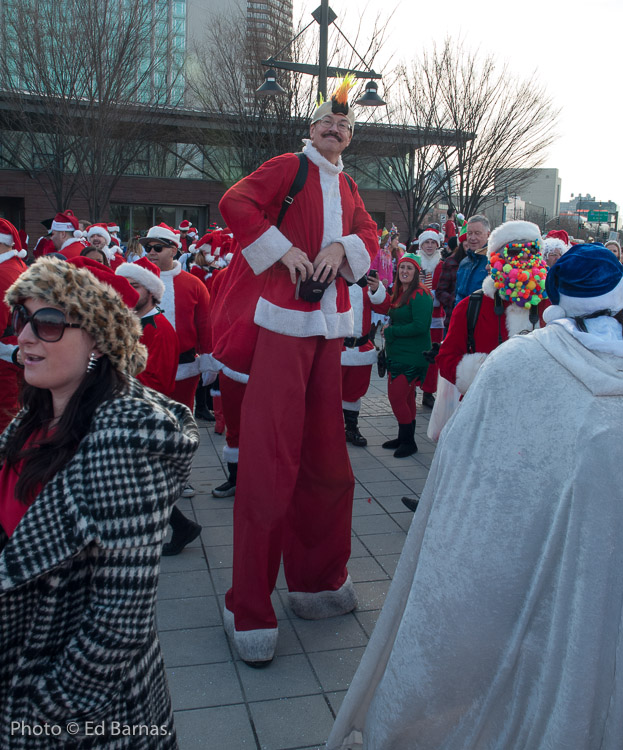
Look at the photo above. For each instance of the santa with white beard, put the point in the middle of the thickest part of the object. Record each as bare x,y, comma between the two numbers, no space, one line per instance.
429,250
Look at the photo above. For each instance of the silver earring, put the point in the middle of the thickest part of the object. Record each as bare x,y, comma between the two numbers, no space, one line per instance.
92,362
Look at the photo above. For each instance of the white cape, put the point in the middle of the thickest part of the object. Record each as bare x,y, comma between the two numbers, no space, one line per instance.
502,627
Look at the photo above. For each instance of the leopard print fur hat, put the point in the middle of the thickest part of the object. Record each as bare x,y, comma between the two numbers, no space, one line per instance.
94,305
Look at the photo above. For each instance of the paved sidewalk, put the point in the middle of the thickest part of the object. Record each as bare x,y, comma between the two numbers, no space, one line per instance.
222,704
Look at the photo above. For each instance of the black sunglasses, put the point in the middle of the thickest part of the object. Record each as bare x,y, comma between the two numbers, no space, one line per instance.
156,248
48,324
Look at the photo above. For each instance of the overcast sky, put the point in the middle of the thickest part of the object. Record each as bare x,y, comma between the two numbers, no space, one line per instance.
574,46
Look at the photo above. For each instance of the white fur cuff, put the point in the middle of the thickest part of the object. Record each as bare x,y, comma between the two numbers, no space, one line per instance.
251,645
267,249
230,455
467,369
323,604
377,297
357,261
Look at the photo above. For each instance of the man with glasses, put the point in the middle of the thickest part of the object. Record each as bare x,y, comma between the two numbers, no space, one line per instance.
185,303
294,489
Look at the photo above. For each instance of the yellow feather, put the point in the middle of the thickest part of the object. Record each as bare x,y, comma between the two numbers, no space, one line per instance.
340,94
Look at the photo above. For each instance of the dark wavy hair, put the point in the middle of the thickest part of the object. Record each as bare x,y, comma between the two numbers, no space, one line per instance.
44,457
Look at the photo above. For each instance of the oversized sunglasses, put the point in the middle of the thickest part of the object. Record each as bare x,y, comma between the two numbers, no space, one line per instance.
48,324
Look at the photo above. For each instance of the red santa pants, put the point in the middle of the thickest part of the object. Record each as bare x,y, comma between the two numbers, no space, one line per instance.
294,492
355,384
184,391
401,396
232,393
430,381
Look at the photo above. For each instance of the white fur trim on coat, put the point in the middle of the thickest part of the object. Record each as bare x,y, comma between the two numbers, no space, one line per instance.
467,369
357,260
187,370
266,250
168,298
352,405
355,292
230,455
355,358
512,231
251,645
299,323
239,377
323,604
377,297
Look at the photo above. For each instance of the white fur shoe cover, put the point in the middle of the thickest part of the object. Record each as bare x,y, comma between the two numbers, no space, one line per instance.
324,603
252,645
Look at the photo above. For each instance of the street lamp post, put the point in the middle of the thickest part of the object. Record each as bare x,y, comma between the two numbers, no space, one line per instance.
324,16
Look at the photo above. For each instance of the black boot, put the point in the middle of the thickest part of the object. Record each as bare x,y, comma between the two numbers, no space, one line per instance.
228,488
201,408
352,429
184,531
410,502
428,400
406,434
392,444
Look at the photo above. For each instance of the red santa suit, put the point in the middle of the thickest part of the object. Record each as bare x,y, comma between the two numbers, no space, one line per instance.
71,248
44,246
11,266
295,485
454,362
430,273
185,304
358,358
162,353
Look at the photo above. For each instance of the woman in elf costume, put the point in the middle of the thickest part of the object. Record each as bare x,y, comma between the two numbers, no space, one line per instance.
410,310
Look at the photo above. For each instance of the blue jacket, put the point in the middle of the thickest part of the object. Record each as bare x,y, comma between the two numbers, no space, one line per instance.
471,273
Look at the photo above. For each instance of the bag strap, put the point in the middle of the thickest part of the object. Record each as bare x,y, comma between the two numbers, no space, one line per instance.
351,182
473,311
295,187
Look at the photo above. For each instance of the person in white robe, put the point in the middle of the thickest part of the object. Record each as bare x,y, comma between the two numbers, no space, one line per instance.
502,627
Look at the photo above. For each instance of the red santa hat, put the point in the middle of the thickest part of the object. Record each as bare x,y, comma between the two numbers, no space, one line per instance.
163,233
204,245
559,234
127,293
185,225
192,232
112,227
66,222
146,273
101,229
10,236
429,234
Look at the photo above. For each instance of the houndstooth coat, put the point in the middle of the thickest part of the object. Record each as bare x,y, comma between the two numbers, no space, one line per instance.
78,585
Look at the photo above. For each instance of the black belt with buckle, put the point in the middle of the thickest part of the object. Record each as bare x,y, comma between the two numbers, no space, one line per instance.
353,343
187,357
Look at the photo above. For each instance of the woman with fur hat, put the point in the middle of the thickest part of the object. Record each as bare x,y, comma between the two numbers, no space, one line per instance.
502,626
90,469
407,336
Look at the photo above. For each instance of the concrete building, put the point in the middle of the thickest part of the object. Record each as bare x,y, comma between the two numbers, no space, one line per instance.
541,189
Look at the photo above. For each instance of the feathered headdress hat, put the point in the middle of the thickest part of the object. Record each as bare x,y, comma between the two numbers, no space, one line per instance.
338,103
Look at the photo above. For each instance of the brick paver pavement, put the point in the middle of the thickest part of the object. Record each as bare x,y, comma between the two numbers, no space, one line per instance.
222,704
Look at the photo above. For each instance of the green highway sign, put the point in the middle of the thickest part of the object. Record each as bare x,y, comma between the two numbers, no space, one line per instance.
597,216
